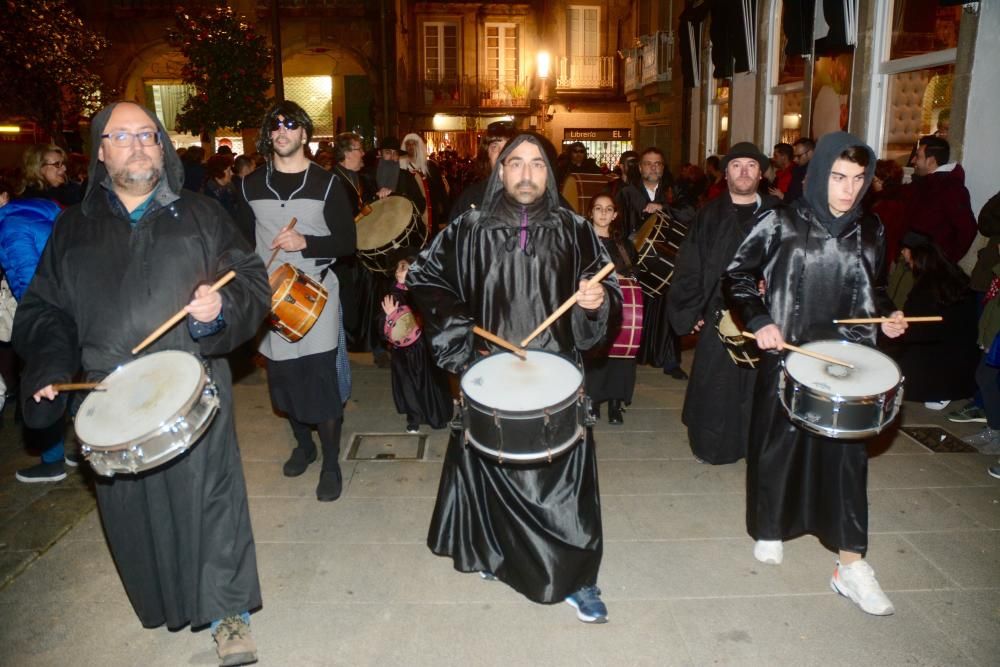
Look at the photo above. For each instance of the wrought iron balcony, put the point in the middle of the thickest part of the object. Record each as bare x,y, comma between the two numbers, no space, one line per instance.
632,70
586,73
509,92
657,56
448,92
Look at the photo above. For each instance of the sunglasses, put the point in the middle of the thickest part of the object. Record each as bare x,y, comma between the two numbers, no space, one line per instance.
289,124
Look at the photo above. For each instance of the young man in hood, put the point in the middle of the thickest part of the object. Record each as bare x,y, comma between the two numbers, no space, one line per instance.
821,260
136,250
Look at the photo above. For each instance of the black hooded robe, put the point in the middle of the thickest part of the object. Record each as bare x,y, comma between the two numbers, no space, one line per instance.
719,396
537,527
817,268
180,533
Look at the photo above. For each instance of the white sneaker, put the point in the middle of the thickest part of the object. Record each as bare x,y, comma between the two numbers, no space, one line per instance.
936,405
769,551
857,582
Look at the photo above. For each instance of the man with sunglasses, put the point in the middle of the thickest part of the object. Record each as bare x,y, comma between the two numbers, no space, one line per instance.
138,249
304,377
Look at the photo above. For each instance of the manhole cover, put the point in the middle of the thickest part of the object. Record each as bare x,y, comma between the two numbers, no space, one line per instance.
938,440
387,447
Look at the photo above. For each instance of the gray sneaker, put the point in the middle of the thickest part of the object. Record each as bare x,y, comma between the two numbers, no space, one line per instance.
234,643
986,441
970,412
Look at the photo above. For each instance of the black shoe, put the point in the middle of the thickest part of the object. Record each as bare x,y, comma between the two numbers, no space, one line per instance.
72,458
330,486
299,461
43,472
676,373
615,413
595,410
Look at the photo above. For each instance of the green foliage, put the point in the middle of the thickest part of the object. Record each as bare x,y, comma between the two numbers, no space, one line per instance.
47,61
228,65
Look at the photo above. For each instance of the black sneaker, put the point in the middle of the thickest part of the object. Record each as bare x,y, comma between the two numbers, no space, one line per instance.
676,373
72,458
969,413
43,472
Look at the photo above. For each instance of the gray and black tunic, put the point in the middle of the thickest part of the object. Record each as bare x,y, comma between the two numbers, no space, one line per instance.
302,376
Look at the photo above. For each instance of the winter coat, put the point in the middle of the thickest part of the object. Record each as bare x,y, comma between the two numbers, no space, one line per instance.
25,227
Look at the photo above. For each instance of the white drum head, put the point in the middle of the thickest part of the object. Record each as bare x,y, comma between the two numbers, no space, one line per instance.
140,398
505,382
389,217
873,373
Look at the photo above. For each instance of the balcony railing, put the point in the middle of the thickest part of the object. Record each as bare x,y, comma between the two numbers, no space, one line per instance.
449,92
586,73
632,70
512,92
657,56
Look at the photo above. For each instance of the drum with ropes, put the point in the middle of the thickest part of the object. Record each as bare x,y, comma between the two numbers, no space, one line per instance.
383,227
580,189
657,243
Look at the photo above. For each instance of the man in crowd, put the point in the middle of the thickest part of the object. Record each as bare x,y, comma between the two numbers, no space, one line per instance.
802,152
393,180
820,261
490,145
115,267
938,206
717,435
506,267
716,177
304,377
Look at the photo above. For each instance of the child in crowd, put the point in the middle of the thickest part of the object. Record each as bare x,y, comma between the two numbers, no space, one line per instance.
419,388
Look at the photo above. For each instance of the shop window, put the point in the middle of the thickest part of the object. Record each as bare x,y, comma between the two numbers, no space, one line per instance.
919,104
919,26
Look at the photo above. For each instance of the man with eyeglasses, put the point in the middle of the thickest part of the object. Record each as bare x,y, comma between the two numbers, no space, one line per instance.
802,152
138,249
307,378
506,267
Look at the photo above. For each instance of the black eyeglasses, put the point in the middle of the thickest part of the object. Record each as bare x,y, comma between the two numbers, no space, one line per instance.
125,139
289,124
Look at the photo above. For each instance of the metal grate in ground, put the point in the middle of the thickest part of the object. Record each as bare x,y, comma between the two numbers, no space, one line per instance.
387,447
938,440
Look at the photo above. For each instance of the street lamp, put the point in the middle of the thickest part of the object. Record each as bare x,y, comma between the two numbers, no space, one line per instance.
542,63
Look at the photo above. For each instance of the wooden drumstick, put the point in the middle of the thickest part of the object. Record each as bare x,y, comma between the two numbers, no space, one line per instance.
365,210
568,303
162,329
493,338
277,250
78,386
808,353
880,320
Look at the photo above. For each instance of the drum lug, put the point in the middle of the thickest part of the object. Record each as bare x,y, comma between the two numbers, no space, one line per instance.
289,298
496,422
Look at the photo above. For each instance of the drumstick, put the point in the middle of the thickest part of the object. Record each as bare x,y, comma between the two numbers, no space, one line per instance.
179,315
808,353
880,320
568,303
78,386
365,210
276,250
493,338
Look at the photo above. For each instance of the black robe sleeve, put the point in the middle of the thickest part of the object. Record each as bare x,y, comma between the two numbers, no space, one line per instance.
739,283
343,238
687,297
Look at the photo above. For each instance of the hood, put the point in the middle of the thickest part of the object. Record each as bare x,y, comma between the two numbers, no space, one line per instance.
98,179
815,197
494,186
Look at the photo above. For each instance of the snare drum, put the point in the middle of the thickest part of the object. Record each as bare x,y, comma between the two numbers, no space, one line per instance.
626,343
151,411
523,411
394,222
297,301
839,402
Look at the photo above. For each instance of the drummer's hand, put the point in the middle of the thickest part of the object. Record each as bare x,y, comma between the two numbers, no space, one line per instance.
206,305
289,240
761,286
590,298
770,338
652,207
47,391
896,327
389,304
698,326
775,192
383,193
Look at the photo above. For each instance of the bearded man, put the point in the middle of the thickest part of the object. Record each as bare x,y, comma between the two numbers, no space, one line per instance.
717,436
115,267
506,267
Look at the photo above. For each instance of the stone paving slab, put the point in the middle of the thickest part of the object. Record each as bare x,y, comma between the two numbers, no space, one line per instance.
352,582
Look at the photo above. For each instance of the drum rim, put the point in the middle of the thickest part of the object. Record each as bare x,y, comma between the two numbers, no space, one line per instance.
894,395
845,343
533,457
166,423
